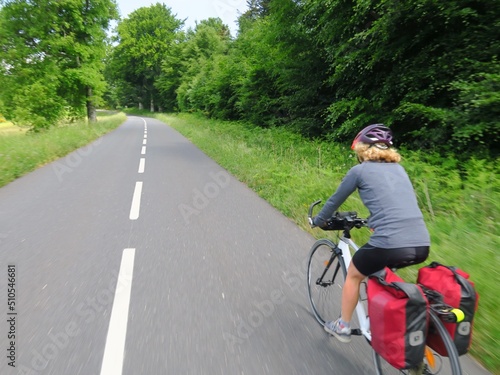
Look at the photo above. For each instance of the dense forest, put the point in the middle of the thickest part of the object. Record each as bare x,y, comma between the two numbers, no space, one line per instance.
429,69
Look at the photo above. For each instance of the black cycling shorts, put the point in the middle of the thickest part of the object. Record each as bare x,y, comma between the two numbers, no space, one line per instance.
370,259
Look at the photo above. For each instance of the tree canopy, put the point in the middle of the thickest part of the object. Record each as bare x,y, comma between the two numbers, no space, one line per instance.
51,53
144,40
429,69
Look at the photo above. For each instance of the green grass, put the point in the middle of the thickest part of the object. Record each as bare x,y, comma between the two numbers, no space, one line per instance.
291,172
22,152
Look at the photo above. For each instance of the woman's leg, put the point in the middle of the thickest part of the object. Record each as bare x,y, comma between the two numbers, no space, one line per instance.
341,327
350,293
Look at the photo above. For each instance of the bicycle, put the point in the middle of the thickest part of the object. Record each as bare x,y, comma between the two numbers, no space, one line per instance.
326,272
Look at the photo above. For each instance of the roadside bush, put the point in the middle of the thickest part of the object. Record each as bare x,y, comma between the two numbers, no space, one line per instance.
37,106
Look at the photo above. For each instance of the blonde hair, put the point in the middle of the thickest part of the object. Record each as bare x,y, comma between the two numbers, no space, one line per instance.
368,152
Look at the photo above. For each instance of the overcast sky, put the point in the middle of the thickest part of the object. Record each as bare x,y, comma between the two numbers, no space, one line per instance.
193,10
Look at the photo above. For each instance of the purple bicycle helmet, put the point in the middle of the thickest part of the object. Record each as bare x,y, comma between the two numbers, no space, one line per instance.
376,133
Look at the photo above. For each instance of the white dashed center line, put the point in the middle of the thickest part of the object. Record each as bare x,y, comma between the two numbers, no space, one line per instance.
142,164
112,363
136,201
143,151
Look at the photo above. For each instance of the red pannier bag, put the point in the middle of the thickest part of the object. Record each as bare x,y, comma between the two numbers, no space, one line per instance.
458,292
399,316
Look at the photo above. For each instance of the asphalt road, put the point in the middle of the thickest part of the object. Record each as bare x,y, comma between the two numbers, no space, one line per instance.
138,254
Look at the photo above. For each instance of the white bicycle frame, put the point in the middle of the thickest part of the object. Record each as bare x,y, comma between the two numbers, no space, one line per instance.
345,244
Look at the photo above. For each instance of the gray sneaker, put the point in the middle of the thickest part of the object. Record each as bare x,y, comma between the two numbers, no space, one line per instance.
339,330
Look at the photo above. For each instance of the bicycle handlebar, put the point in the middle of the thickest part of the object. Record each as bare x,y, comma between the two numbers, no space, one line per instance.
311,207
340,220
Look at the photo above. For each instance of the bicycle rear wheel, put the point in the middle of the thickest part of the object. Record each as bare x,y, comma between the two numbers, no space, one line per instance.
433,362
326,273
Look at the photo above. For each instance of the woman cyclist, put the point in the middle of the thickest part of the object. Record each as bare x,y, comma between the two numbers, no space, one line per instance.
399,235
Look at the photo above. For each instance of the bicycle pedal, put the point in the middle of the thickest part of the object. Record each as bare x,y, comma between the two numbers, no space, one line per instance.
356,332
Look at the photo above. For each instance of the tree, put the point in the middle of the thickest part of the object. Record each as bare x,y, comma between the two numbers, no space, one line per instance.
299,68
410,64
258,98
58,45
257,9
428,69
198,85
144,39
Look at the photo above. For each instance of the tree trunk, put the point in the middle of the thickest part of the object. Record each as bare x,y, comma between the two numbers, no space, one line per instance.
91,110
152,105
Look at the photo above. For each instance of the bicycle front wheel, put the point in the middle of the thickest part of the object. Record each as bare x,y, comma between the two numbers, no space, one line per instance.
326,273
433,363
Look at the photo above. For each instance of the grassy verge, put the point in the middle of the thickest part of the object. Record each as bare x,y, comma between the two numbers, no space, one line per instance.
7,128
22,152
462,212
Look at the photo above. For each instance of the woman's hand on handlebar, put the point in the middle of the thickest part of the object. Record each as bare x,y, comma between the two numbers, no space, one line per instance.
314,222
309,214
311,222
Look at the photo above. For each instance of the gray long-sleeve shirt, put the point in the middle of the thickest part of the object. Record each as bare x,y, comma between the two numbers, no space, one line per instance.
387,192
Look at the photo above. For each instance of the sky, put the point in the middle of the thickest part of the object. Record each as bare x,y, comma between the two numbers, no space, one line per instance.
194,10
